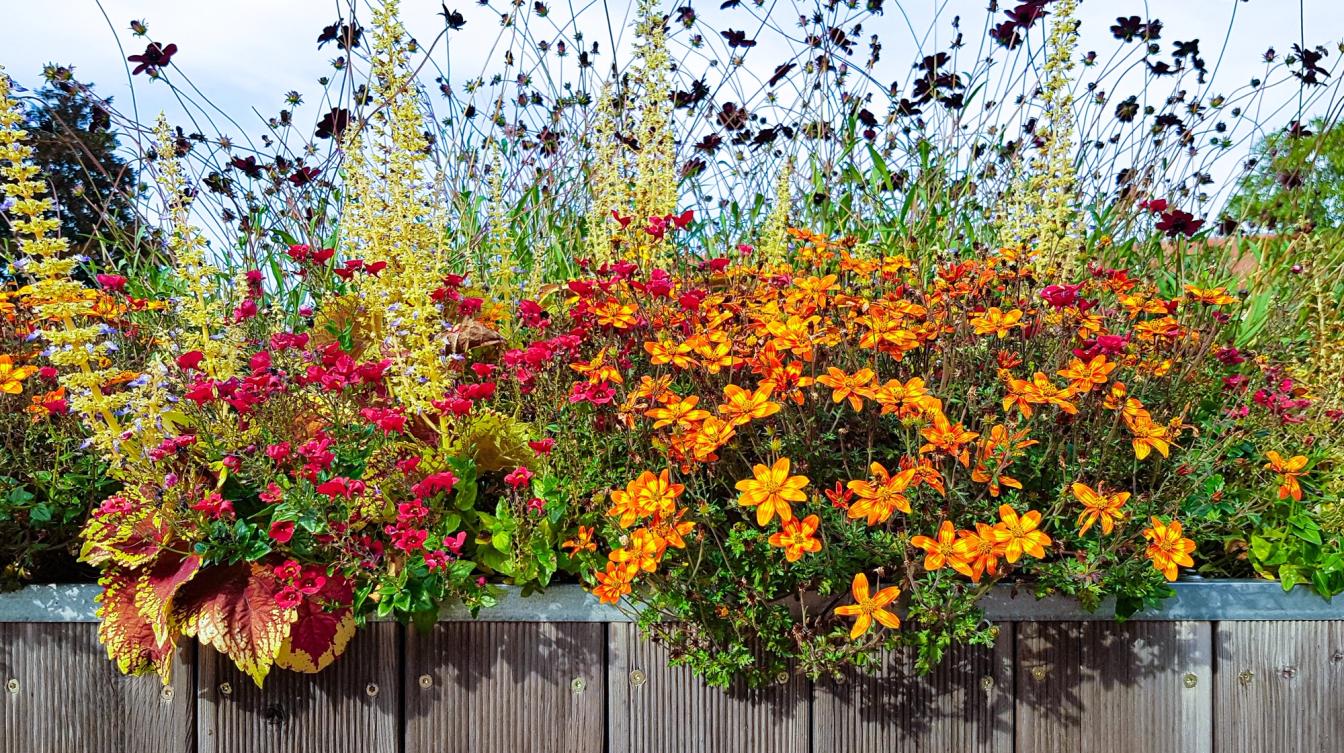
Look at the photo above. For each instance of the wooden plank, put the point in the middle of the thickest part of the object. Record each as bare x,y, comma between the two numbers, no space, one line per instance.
353,705
964,705
1278,687
1138,687
59,693
656,708
515,687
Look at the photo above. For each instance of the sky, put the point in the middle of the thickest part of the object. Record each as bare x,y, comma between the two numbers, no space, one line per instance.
245,54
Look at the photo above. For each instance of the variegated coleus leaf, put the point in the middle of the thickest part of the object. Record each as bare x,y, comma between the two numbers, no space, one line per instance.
123,630
155,590
233,609
325,624
123,532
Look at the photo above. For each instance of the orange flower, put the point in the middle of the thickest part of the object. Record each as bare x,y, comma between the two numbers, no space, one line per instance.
11,376
771,491
1167,548
1022,534
664,352
947,437
996,322
646,496
743,406
852,386
793,335
906,399
1209,296
615,315
1084,377
676,410
797,537
1098,506
597,370
641,552
583,542
613,583
977,552
712,434
937,552
868,608
877,501
1290,470
1148,436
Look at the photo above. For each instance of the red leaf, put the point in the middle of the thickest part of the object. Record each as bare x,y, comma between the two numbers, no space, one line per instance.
155,591
325,625
124,631
234,610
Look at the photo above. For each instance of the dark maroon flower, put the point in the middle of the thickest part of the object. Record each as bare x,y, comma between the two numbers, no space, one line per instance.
1176,222
154,57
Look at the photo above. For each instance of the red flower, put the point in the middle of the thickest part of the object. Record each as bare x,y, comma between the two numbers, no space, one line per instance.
112,282
190,360
288,597
435,483
282,531
542,446
520,477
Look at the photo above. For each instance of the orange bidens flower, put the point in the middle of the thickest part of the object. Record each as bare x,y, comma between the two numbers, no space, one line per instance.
646,496
793,335
1022,536
1209,296
1148,436
583,542
905,400
771,491
1290,469
676,410
1039,391
877,501
977,552
796,538
1098,506
853,387
947,437
1167,548
742,406
597,370
712,434
664,352
996,322
938,552
1084,377
868,608
614,582
615,315
11,376
641,552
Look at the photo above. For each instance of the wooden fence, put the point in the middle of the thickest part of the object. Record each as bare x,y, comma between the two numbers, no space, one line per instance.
579,683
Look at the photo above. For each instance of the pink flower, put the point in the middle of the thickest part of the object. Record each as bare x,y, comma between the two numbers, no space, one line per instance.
520,477
282,531
435,483
112,282
288,597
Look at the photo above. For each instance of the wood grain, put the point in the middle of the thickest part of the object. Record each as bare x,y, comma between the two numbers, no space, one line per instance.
59,693
353,705
964,705
660,709
1102,687
1278,687
509,687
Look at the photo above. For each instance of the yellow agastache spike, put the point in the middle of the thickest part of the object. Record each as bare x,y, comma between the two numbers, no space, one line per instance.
656,165
202,310
775,235
391,215
499,262
79,344
606,181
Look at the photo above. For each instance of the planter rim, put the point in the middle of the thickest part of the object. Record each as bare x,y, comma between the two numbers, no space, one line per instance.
1195,600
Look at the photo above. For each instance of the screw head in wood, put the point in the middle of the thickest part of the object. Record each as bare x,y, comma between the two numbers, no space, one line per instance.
166,693
1038,673
987,683
1288,672
225,689
12,686
578,685
1191,680
371,690
426,681
637,677
1245,677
